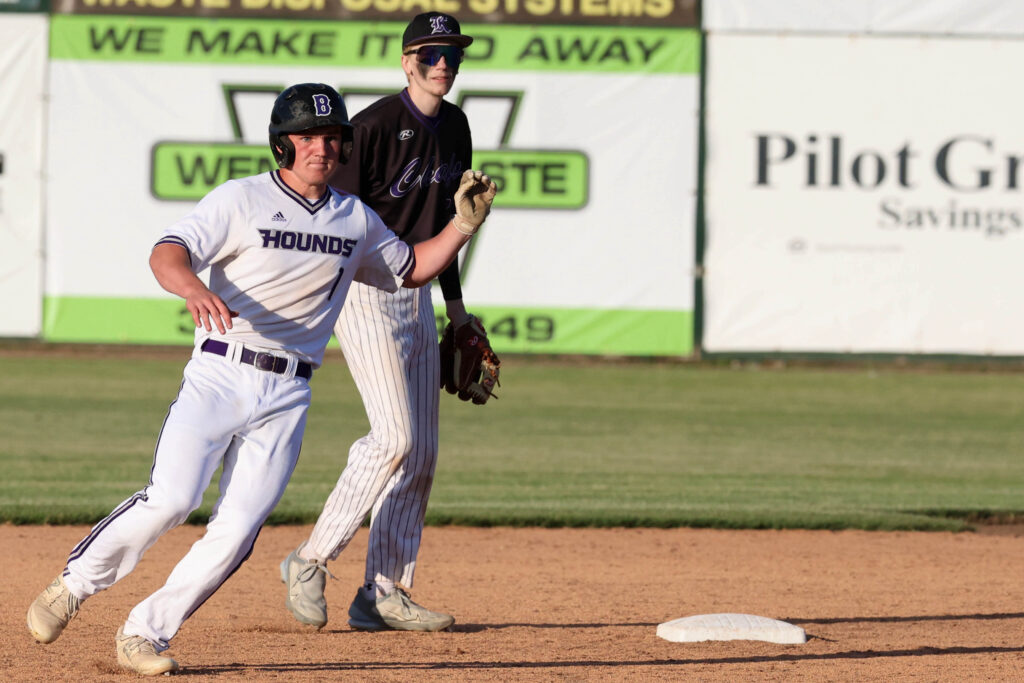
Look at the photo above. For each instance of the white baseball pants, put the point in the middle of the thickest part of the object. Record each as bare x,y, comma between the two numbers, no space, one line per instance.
251,420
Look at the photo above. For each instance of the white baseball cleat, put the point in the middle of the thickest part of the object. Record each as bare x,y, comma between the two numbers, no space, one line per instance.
395,612
305,580
51,611
139,655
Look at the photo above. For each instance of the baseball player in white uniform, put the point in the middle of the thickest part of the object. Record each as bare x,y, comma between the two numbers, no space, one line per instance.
283,249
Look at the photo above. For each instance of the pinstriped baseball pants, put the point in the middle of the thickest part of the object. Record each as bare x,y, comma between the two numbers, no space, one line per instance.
390,345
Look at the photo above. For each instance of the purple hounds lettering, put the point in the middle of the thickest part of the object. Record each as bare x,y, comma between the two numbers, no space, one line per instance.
304,241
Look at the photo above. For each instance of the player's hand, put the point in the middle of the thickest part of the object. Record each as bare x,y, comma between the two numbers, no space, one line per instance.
209,311
473,201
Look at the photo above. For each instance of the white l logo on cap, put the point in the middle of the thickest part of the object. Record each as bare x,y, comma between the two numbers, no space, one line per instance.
437,25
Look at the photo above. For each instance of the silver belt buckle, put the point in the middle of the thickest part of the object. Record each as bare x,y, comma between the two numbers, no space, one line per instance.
265,361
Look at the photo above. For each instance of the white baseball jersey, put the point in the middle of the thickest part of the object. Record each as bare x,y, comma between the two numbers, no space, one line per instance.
285,264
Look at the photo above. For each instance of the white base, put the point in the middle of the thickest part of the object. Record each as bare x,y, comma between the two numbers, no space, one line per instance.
730,627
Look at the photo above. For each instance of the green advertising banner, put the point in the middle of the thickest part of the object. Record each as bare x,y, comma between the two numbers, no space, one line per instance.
514,330
594,49
582,254
658,13
541,179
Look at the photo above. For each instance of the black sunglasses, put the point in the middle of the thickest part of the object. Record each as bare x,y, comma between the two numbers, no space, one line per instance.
431,54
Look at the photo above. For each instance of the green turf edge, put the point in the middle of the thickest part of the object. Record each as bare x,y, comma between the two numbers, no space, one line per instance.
934,520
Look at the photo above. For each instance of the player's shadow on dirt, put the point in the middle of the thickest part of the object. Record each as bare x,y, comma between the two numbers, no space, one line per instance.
368,666
398,666
902,619
478,628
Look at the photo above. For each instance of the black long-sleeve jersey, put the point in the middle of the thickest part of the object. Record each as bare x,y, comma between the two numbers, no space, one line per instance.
407,166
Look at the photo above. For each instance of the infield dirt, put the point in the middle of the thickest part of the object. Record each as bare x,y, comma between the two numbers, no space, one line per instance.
569,604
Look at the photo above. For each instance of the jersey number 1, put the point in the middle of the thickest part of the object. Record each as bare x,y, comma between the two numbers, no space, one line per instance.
341,271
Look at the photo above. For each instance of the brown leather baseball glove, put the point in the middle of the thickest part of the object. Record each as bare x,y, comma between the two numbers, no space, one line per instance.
469,367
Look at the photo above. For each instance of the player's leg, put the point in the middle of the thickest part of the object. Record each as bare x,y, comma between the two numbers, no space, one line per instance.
256,470
397,525
397,521
183,465
374,330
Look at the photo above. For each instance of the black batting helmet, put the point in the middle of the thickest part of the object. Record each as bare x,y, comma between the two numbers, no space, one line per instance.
302,107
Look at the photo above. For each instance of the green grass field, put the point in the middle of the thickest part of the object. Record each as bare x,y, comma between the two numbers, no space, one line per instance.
572,443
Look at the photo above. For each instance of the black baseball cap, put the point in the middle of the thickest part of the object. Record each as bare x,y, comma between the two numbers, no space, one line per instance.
431,27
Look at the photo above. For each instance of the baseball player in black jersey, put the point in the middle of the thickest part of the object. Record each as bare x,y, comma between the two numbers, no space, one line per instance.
410,150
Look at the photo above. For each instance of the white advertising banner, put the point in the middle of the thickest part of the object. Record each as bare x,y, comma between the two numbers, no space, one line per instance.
864,195
952,17
23,42
580,247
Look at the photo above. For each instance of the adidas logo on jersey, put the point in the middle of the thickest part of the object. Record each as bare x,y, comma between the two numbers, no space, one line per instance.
278,217
405,134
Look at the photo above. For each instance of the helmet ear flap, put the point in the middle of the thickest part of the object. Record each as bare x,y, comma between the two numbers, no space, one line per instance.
283,149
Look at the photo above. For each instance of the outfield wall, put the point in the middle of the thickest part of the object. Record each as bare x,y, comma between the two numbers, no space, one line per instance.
23,65
863,177
861,17
176,104
859,192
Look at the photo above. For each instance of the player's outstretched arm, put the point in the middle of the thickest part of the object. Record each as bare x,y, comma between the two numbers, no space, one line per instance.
473,202
170,265
434,255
